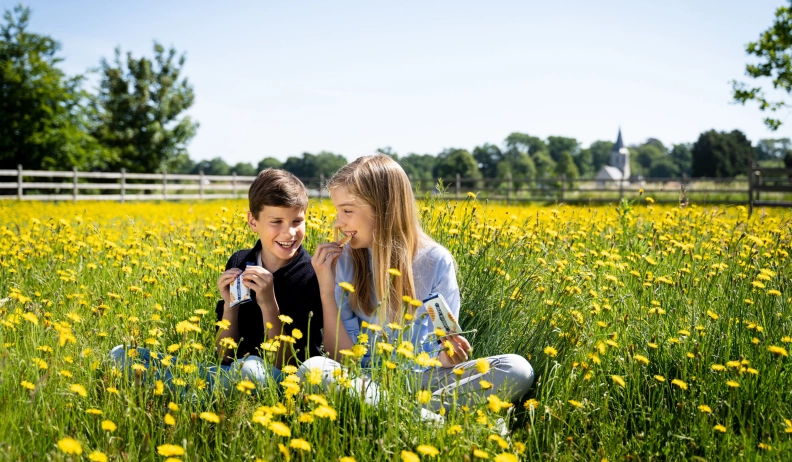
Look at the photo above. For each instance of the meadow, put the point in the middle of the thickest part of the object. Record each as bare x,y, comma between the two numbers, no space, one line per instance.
657,333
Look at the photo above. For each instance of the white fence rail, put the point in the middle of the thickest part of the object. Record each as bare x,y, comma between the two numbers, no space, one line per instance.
124,186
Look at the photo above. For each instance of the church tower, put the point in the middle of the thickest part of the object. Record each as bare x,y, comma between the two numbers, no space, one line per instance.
620,157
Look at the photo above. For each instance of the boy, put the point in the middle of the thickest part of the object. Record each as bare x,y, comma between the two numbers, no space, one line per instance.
281,279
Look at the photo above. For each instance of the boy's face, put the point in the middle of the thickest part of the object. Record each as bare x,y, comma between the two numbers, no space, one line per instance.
281,231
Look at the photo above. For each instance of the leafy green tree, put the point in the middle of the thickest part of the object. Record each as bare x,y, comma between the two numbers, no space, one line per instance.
788,160
643,156
566,166
721,154
557,145
388,151
419,166
522,142
313,165
664,167
244,169
600,154
773,149
216,166
44,116
681,155
269,162
584,162
488,157
545,165
140,106
774,51
452,161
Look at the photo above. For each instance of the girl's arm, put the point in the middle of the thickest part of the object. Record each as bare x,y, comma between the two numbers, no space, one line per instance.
336,337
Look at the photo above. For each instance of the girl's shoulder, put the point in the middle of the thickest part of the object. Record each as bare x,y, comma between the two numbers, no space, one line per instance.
430,251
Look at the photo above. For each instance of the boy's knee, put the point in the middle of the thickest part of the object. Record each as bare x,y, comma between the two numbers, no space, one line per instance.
521,374
117,353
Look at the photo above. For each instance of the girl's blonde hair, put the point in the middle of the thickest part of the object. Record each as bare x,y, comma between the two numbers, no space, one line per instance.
381,183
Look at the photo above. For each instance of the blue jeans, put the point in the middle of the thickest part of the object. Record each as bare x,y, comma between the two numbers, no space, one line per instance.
225,377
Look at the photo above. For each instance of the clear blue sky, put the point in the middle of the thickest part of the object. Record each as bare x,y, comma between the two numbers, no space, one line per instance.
276,78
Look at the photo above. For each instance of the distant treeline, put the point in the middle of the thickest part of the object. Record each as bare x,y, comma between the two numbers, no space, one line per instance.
135,120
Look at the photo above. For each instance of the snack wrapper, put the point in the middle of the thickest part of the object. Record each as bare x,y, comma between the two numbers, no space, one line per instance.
240,293
440,314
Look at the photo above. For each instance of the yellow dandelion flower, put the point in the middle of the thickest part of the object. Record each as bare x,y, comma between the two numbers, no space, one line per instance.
550,351
394,272
79,389
479,454
347,287
170,450
680,384
733,384
777,350
577,404
300,444
285,319
704,408
408,456
505,456
97,456
423,396
482,365
70,446
93,411
108,426
280,429
485,385
720,428
641,359
210,417
427,450
28,385
454,430
169,420
659,378
618,380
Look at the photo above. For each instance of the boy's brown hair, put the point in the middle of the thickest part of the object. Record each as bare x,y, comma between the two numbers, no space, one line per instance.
276,188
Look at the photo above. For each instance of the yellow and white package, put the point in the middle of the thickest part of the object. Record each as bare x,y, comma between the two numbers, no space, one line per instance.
441,315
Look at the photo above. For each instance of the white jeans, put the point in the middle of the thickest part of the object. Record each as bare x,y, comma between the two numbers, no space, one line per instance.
511,377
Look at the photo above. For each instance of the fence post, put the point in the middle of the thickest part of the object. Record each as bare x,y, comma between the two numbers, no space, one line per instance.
563,181
164,184
758,173
321,185
508,187
458,185
19,181
74,184
234,184
123,185
201,185
621,189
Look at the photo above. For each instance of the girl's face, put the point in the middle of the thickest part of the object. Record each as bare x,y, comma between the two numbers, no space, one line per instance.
355,217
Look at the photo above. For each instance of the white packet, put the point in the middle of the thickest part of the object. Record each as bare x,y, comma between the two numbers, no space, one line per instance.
240,293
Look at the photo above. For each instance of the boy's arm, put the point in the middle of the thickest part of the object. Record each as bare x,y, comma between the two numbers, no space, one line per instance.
262,284
226,312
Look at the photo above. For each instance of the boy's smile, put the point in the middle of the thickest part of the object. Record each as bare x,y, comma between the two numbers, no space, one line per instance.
281,231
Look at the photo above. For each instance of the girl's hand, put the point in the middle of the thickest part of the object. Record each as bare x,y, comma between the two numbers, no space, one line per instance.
324,262
460,347
260,281
224,283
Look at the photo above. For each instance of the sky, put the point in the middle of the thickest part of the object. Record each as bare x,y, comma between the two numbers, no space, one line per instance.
282,78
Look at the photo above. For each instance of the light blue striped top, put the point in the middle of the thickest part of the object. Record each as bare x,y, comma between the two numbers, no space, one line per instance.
433,272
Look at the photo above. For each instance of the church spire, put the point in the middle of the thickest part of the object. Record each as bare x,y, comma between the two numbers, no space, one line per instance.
619,143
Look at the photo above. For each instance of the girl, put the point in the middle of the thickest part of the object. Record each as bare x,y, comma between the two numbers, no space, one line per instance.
375,206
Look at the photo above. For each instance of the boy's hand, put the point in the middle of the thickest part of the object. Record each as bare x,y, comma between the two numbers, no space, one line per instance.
224,283
324,262
460,346
260,281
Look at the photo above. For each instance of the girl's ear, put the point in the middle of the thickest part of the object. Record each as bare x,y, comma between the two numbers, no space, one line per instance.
252,222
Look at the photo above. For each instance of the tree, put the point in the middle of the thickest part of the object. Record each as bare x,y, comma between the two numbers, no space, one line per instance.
788,160
525,143
312,166
585,163
244,169
557,145
682,157
216,166
44,116
722,154
139,106
388,151
774,50
269,162
664,167
566,166
453,161
418,166
600,154
643,156
545,165
487,158
773,149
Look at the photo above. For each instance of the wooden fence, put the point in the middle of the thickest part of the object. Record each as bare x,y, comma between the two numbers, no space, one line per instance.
763,187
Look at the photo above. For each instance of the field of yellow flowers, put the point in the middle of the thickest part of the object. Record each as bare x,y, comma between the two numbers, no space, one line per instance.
656,333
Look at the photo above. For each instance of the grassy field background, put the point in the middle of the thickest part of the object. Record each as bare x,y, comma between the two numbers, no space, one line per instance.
657,333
